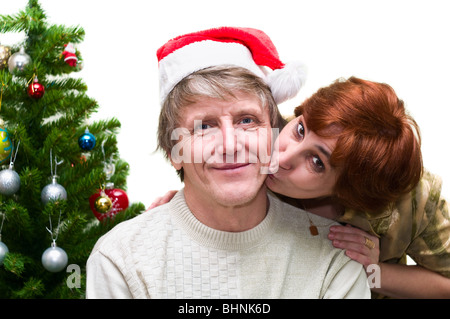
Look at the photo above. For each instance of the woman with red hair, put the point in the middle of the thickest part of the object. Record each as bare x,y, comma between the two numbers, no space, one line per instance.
352,154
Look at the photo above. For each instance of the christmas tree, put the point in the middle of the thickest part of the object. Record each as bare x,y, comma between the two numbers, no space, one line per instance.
62,181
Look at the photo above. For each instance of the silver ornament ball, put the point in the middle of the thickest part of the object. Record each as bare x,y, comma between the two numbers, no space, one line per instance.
54,259
3,251
9,182
18,61
53,191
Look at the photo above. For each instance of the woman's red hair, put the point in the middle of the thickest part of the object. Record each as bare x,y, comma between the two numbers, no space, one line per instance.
378,148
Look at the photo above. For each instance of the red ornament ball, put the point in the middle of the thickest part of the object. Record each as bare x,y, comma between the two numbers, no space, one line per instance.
36,90
118,198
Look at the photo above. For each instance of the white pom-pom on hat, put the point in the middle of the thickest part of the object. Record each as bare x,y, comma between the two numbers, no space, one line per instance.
245,47
285,83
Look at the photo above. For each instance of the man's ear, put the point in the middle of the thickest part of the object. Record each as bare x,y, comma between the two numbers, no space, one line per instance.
176,163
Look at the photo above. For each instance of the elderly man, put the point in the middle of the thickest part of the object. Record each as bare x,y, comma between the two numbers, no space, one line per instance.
223,235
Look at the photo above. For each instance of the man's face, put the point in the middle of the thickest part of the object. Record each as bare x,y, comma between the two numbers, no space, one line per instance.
224,149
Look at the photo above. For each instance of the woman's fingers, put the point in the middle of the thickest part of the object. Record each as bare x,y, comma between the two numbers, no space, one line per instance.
162,200
358,244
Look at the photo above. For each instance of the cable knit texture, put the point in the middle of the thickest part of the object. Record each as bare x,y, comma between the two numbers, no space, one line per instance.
168,253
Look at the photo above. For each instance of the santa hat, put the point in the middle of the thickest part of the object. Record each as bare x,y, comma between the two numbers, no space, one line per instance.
244,47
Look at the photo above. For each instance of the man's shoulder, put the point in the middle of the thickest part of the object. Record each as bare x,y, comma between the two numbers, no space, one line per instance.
294,230
132,231
301,221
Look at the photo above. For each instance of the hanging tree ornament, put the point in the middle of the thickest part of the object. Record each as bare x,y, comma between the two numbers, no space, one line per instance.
99,201
18,61
54,258
9,179
87,140
5,54
5,142
69,55
108,202
53,191
3,248
35,89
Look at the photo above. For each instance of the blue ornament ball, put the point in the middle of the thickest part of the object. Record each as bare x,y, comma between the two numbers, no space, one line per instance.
87,141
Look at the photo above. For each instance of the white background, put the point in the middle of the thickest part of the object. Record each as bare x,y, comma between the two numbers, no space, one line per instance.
405,43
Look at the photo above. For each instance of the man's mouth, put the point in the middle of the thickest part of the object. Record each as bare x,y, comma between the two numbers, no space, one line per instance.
230,166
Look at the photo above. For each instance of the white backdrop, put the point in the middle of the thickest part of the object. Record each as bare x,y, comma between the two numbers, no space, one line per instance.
405,43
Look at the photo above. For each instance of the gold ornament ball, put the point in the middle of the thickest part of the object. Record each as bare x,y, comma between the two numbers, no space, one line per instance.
103,204
5,53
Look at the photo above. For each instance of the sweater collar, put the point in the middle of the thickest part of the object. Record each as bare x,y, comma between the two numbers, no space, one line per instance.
218,239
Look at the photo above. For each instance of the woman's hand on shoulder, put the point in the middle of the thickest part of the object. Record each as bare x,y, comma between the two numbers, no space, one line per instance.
358,244
162,200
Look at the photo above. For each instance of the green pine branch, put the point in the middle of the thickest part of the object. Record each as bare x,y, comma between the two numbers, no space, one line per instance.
52,124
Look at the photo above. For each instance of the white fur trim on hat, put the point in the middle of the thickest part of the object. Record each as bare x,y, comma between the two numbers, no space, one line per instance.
199,55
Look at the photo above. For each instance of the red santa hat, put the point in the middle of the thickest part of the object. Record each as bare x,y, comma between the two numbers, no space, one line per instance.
245,47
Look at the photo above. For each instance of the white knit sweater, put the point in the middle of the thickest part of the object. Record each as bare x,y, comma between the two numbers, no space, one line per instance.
168,253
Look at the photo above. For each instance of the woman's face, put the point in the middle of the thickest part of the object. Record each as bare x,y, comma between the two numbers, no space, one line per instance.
300,163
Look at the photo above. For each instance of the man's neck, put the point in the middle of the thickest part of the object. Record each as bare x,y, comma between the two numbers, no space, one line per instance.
233,218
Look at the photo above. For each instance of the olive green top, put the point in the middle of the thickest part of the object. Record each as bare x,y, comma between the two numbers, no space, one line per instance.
417,225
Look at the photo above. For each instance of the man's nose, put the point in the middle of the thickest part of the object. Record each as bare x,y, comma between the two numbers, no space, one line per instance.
230,144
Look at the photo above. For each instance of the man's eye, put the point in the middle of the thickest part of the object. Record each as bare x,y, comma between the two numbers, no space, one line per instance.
202,127
247,120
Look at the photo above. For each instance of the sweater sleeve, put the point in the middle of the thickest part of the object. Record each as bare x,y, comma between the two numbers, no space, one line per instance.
350,282
104,280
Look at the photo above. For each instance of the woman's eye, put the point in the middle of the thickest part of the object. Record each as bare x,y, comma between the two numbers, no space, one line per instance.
318,164
301,129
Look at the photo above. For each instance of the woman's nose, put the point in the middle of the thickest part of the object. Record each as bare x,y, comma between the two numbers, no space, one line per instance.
287,156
